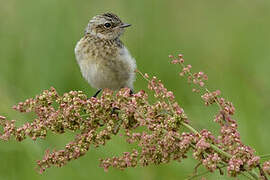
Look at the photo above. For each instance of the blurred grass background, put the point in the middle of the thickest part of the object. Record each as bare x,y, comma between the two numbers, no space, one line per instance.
229,40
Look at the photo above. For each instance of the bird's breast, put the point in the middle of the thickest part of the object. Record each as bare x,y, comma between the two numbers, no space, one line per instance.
105,67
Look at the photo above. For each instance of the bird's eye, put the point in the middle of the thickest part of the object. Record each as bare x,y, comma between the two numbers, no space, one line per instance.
107,25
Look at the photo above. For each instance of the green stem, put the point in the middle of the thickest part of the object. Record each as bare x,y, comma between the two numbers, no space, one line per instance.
253,174
207,172
251,178
201,174
265,156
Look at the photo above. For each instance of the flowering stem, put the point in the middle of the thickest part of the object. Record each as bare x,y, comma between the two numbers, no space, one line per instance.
190,74
223,165
215,148
218,150
194,130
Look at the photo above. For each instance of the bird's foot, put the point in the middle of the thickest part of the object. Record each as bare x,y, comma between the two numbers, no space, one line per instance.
96,94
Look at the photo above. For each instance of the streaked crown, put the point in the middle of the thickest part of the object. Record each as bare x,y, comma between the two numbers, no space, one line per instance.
106,26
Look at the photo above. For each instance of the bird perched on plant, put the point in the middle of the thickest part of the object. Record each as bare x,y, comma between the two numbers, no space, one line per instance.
103,59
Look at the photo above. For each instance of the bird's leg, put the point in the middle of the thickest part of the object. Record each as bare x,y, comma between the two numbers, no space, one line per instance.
115,110
95,95
131,92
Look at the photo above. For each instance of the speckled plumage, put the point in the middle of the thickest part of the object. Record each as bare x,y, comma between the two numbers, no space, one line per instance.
103,59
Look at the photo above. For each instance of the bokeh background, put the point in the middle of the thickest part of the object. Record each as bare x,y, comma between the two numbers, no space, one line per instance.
229,40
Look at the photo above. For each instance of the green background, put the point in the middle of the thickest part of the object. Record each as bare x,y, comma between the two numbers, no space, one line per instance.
229,40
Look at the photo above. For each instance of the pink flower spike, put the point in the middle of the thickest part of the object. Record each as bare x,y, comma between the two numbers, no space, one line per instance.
266,167
146,75
182,60
201,83
200,74
2,118
180,55
175,61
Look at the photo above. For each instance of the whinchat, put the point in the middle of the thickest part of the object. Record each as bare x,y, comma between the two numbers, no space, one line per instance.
103,59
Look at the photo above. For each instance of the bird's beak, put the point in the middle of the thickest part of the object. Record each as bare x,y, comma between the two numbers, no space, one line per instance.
125,25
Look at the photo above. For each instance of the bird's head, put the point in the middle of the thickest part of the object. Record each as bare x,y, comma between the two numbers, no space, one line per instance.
106,26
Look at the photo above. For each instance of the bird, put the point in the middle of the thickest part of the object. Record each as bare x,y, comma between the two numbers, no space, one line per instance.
103,59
